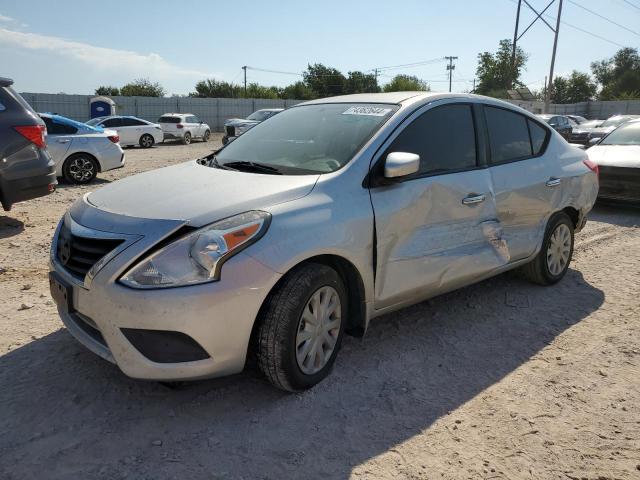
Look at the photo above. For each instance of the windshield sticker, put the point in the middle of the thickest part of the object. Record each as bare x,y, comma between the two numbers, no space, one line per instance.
372,111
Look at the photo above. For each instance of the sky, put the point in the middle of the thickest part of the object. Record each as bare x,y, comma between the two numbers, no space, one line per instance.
75,46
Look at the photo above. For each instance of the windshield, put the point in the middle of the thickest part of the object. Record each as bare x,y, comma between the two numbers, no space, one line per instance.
614,122
628,134
308,139
260,115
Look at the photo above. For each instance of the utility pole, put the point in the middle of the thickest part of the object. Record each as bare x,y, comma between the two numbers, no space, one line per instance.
375,72
245,81
451,67
512,74
547,97
474,86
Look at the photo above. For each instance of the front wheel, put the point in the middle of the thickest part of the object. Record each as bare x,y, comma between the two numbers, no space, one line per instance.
552,262
146,141
206,136
301,327
79,169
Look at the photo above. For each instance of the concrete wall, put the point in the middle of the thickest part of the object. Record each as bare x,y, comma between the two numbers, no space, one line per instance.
213,111
595,110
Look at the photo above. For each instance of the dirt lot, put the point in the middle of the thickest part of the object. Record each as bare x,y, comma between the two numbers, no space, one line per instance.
500,380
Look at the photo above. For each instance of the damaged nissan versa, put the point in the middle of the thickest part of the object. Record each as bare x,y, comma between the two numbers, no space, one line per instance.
308,226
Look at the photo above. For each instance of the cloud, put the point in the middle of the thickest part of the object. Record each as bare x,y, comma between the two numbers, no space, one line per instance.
4,18
102,59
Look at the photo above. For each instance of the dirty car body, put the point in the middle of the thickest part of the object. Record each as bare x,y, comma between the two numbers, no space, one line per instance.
396,197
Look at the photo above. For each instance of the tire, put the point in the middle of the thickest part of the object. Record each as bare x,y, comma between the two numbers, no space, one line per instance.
225,140
186,140
80,168
146,141
282,325
558,236
206,136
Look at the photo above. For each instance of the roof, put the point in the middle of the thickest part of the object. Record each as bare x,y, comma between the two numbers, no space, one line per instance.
270,110
402,97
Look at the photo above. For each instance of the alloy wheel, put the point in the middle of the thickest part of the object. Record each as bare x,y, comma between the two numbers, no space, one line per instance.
81,169
318,330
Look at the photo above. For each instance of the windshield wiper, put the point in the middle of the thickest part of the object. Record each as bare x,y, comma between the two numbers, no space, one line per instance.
252,166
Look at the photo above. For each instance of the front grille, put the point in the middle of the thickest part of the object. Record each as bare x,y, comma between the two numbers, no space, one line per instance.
79,254
230,131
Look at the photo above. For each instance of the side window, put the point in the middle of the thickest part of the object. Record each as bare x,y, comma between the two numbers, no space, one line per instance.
57,128
444,137
112,123
508,135
131,122
538,136
195,119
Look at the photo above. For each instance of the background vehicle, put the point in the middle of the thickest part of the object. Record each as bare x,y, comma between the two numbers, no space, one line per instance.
26,169
618,158
184,127
331,213
609,126
80,151
580,134
131,130
234,127
577,119
559,123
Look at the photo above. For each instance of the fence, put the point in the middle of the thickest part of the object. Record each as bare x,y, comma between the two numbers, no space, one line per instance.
213,111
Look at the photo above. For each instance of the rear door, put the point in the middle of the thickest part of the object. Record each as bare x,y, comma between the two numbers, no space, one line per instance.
526,184
435,230
115,123
60,136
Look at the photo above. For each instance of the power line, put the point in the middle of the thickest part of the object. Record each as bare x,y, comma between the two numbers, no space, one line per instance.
603,17
632,4
409,65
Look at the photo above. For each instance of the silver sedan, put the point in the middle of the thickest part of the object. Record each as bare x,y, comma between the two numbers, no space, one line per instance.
309,226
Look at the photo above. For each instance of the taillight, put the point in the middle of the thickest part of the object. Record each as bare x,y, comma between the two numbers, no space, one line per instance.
179,125
114,138
33,133
593,166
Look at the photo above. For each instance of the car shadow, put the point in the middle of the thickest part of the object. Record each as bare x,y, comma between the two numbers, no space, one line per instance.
66,411
64,185
621,214
10,227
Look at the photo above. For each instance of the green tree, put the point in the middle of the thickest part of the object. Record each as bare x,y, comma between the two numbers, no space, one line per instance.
359,82
142,87
298,91
255,90
212,88
107,90
406,83
619,76
577,87
324,81
494,71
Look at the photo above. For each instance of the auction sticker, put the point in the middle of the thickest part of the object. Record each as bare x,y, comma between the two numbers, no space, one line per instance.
371,111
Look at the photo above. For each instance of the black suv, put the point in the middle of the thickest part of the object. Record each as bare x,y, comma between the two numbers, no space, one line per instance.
26,169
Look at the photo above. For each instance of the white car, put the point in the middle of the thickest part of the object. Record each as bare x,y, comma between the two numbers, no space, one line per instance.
79,150
132,130
184,127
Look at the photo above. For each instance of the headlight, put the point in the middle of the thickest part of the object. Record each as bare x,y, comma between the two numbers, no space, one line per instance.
198,256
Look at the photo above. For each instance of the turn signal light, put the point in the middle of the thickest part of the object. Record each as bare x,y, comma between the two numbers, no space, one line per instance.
179,125
114,138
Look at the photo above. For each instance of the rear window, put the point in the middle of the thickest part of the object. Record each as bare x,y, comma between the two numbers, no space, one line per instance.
169,120
58,128
18,98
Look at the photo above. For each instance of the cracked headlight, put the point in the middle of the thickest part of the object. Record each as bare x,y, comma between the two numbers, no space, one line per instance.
198,256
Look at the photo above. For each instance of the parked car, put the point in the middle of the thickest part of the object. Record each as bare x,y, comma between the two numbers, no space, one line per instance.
234,127
26,169
309,225
580,134
609,126
131,130
578,119
618,158
184,127
81,151
559,123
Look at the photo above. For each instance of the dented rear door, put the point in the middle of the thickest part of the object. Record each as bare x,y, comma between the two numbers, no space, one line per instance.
437,230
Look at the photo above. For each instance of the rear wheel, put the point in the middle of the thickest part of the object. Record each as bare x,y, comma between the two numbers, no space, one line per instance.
206,136
146,141
186,139
552,262
80,168
301,327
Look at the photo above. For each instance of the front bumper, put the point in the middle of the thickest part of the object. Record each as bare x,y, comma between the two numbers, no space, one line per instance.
217,316
620,184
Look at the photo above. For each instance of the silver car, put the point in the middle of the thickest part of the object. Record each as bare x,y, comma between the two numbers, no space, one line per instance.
308,226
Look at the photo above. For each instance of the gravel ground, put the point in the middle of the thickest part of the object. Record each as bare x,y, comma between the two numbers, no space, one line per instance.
499,380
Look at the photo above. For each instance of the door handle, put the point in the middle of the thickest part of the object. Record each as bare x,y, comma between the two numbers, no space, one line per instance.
473,199
553,182
63,141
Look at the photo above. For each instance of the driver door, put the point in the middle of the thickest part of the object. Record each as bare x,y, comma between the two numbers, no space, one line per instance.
436,230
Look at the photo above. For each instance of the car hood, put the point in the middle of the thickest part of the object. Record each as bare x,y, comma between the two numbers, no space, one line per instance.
615,155
198,194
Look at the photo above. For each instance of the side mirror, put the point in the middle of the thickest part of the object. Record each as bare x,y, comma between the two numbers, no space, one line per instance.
594,141
401,164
